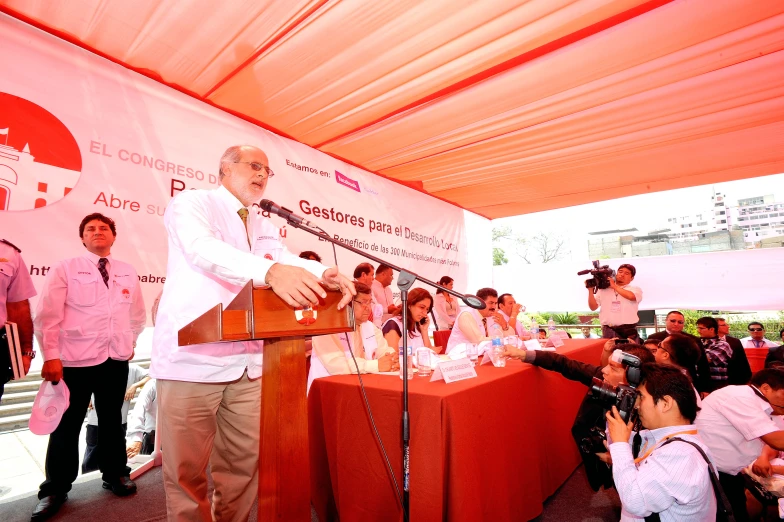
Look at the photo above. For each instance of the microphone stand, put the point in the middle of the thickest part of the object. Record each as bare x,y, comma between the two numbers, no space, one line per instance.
405,281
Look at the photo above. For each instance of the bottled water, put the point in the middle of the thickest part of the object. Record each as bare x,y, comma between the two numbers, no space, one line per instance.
534,329
408,363
550,327
497,353
499,361
496,330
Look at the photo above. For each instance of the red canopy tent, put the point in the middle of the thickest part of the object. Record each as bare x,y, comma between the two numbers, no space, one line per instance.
502,107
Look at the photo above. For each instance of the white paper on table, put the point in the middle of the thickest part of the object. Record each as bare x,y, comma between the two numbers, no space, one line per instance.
483,347
486,358
458,351
532,344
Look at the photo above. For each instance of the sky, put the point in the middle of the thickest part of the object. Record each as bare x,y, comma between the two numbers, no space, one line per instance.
644,212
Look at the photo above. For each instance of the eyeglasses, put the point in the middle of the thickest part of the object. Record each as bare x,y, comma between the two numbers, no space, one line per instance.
755,329
674,322
366,304
255,165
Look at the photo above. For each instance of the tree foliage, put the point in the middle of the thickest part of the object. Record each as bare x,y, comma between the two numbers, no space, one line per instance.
541,247
499,257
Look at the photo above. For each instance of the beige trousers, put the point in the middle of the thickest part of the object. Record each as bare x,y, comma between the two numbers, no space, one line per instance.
216,423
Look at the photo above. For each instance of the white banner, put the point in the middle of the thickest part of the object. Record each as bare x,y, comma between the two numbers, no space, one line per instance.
737,280
82,135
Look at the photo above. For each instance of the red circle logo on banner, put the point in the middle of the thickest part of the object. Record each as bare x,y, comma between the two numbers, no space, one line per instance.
40,161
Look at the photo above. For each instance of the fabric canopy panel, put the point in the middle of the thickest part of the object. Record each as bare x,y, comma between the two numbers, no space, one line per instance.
503,107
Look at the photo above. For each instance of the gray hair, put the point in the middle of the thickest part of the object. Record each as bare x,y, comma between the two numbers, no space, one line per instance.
232,155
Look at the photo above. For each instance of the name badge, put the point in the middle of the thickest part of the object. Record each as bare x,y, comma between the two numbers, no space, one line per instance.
615,306
453,371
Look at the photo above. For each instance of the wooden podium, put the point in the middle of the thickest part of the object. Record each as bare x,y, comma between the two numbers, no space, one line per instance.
257,313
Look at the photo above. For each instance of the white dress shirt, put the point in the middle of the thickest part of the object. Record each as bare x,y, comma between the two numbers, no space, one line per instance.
519,329
209,263
672,480
142,418
80,320
383,296
468,328
15,281
748,342
731,422
615,309
414,342
331,354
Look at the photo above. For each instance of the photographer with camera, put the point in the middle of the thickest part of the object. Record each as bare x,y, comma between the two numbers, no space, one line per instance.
589,424
735,423
671,477
618,300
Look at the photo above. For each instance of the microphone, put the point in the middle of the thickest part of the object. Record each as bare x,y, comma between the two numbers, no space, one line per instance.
285,213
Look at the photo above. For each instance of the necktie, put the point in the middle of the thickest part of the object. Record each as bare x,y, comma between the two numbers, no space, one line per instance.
758,344
484,323
102,270
243,212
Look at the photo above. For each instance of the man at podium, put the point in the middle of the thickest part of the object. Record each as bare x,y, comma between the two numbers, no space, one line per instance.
209,394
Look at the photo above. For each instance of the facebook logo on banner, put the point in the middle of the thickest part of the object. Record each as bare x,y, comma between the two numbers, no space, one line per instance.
346,181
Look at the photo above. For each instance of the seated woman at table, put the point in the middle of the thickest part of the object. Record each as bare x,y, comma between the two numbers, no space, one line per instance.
420,302
445,305
332,353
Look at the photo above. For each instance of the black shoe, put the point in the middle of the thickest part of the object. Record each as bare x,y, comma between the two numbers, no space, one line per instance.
121,487
48,506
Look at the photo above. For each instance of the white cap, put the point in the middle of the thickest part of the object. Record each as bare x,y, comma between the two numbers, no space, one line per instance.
50,404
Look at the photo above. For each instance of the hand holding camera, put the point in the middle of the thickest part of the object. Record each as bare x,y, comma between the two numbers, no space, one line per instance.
620,430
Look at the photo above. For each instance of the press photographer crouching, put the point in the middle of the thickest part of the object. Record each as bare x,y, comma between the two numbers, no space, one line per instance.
670,480
617,300
589,425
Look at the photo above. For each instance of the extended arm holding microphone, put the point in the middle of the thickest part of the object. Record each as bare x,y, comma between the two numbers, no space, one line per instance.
405,281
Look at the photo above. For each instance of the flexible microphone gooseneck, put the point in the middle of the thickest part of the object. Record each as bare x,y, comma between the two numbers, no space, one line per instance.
288,215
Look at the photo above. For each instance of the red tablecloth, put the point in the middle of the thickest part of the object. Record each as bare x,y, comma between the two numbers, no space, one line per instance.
490,448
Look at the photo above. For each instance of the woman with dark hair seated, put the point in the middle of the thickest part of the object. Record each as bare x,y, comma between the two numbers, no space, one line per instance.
420,302
445,305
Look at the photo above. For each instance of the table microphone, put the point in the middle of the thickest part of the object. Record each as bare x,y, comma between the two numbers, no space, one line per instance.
285,213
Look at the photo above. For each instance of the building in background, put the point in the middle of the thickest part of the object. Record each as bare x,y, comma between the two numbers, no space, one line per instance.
761,219
756,222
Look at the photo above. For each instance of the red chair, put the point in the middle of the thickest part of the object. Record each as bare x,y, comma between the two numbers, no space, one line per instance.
440,339
756,357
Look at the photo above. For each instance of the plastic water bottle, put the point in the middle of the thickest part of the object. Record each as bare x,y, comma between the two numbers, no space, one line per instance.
497,353
550,327
409,363
534,329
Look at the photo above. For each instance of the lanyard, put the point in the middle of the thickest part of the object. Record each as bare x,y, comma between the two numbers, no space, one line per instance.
647,454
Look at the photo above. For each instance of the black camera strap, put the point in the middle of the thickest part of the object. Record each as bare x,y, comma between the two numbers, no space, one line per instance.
723,508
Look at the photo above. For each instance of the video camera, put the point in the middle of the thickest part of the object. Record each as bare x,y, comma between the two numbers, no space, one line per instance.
623,397
601,276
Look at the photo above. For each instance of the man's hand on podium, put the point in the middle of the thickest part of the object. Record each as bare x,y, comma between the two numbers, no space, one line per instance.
295,285
334,279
